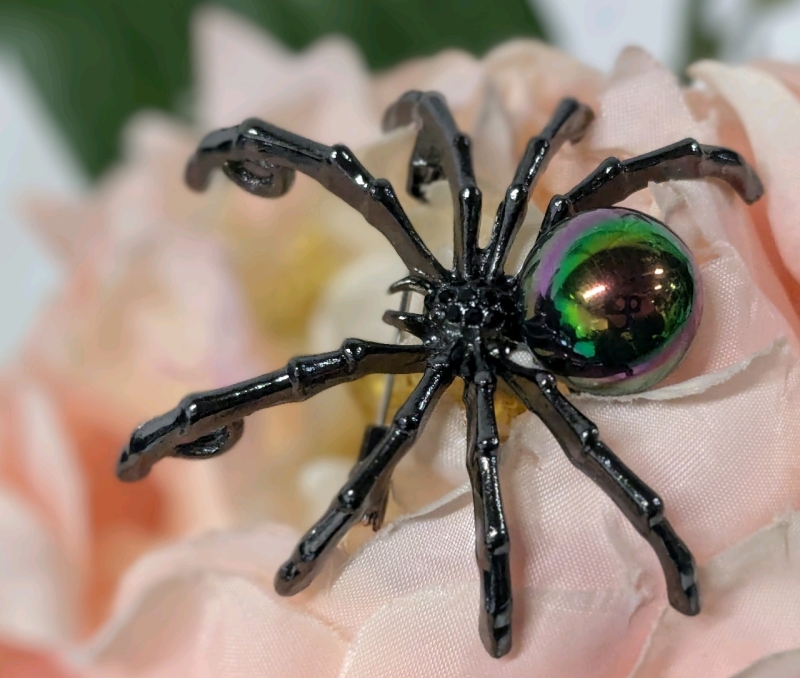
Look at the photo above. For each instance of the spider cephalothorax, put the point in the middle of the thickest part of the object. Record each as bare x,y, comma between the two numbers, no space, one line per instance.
608,299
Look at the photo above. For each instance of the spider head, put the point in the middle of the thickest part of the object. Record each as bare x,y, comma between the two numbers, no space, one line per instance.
612,301
462,309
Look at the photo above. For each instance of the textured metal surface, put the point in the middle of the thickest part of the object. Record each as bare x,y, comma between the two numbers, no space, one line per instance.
471,322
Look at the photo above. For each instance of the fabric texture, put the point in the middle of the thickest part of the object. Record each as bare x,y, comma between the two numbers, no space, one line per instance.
718,440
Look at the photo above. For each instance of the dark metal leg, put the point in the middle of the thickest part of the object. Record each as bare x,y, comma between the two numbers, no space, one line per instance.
580,440
569,123
491,532
442,151
614,180
210,423
365,483
263,159
376,508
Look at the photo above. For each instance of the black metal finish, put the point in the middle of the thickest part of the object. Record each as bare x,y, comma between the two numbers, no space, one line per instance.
471,322
207,424
568,124
491,533
363,492
442,151
580,440
615,179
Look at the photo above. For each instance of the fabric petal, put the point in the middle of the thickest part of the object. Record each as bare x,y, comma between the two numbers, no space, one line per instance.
771,115
751,609
243,72
781,665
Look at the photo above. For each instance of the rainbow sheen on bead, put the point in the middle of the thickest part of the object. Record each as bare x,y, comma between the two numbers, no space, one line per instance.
612,301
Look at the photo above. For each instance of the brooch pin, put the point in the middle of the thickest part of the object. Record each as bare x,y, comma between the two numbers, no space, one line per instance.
608,299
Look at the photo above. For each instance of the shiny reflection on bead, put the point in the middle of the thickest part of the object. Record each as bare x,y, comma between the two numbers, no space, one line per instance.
612,301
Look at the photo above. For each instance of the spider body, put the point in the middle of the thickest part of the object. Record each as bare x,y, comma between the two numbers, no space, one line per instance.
609,299
462,313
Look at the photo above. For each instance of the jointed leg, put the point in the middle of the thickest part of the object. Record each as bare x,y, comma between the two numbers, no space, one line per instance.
569,123
263,159
365,483
580,440
491,532
375,511
207,424
442,151
614,180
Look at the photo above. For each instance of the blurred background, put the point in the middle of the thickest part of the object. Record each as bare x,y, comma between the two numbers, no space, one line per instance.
120,291
61,60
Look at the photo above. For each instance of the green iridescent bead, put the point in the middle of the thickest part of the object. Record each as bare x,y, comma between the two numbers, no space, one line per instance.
613,301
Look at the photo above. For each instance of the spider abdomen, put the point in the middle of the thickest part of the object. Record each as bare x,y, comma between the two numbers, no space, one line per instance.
613,301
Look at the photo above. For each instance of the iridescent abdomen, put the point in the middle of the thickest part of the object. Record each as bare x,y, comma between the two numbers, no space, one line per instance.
613,301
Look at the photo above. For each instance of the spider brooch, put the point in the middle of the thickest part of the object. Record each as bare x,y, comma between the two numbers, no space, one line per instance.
608,299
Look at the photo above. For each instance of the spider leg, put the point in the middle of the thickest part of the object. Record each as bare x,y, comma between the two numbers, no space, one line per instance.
568,123
442,151
614,180
263,159
358,495
641,506
375,510
491,532
207,424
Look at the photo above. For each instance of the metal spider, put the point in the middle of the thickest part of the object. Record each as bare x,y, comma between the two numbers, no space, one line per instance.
608,299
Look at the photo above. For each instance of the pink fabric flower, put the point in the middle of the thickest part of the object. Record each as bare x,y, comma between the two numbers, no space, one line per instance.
718,440
154,306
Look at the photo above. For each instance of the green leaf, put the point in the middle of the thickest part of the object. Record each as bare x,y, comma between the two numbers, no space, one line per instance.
97,61
703,43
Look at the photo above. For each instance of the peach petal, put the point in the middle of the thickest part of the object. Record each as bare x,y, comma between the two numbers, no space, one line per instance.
35,605
50,464
39,461
731,302
456,74
244,73
709,437
751,610
781,665
787,73
169,315
207,608
531,77
354,302
770,114
25,662
642,108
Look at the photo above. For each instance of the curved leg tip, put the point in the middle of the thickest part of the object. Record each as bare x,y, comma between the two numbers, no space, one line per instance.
138,456
212,444
686,600
161,437
196,176
290,580
497,641
131,466
680,570
754,188
583,118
